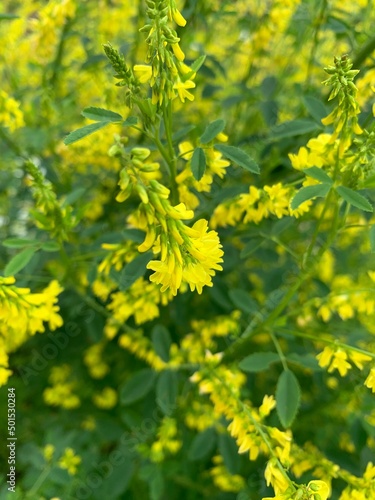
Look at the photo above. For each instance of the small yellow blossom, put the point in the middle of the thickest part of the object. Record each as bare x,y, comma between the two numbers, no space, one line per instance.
69,461
370,380
48,452
106,399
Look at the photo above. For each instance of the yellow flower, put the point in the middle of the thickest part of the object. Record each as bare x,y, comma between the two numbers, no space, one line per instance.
178,18
267,406
359,358
274,477
336,359
194,263
178,52
370,380
69,461
143,72
48,452
319,487
182,89
105,400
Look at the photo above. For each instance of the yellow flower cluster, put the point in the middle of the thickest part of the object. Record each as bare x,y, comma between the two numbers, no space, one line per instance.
223,479
47,26
364,488
257,205
93,359
188,255
69,461
141,300
119,254
61,392
195,346
169,76
166,442
106,399
199,415
141,346
215,165
23,314
338,359
10,114
347,298
319,152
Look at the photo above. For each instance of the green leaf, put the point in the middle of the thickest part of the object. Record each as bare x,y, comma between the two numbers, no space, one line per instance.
162,341
73,196
294,128
318,174
80,133
50,246
134,270
198,163
315,107
20,243
372,238
258,361
101,115
166,391
242,300
117,481
131,120
229,451
308,192
198,63
136,387
19,261
212,130
288,397
239,157
202,445
354,198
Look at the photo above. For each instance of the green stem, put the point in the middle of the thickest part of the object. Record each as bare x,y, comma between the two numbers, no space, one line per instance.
38,483
279,351
310,248
318,27
308,336
167,117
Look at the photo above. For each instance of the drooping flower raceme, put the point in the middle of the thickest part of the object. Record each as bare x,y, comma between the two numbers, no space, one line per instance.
187,255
